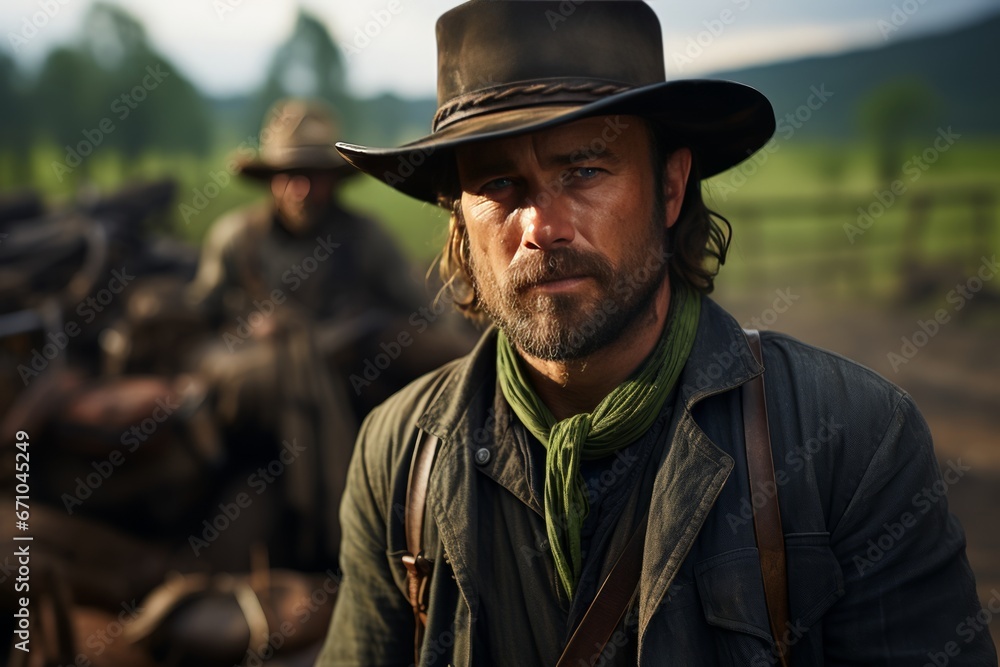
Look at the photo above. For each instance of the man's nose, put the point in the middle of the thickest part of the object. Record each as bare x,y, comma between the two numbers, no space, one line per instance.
546,226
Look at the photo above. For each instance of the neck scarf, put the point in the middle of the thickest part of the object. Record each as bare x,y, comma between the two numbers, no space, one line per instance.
618,420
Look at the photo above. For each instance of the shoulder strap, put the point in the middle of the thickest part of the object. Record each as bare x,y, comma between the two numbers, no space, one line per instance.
766,518
608,607
418,568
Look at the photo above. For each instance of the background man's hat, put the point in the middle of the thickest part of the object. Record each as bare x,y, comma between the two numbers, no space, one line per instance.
296,135
507,67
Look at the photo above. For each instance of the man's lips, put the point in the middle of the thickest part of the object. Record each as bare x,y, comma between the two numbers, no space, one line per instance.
558,284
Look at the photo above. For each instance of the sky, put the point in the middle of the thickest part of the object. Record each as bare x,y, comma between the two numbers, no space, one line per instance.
225,46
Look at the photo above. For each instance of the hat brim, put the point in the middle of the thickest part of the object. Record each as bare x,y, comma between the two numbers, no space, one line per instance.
723,122
296,159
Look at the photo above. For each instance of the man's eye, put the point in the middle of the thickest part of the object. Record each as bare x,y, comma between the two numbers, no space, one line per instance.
586,173
498,184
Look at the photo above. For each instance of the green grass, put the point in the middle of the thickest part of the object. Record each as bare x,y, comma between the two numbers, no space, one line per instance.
421,228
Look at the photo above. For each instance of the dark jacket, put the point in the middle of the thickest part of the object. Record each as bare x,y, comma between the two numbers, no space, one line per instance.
877,570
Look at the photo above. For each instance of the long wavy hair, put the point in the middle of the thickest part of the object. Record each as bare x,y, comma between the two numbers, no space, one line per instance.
697,243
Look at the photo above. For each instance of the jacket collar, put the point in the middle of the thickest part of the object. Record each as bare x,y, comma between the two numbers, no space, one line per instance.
720,360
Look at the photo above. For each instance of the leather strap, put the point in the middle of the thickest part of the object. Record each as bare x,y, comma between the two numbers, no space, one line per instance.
608,607
418,568
764,492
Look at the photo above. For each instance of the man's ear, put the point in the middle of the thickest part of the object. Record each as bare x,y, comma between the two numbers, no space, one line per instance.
675,178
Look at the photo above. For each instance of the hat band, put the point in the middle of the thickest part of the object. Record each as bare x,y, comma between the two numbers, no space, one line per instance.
491,100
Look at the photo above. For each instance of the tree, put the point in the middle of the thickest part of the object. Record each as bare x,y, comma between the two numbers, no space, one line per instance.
152,105
892,115
67,103
308,64
15,114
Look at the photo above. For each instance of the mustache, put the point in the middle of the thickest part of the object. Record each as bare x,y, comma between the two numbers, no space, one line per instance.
559,264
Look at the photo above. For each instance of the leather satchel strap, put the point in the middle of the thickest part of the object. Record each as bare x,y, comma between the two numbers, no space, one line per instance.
418,568
608,607
764,492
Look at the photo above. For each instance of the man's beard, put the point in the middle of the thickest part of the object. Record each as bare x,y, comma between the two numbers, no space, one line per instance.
563,327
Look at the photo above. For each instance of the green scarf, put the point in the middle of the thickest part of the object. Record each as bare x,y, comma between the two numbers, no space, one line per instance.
618,420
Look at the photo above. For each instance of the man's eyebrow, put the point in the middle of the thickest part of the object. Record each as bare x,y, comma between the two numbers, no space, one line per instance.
582,154
492,165
488,166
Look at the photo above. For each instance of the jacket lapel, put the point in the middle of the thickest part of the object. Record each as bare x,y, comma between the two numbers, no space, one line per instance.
687,485
694,470
460,416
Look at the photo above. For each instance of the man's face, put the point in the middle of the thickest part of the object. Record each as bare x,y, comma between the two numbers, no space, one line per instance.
301,197
567,231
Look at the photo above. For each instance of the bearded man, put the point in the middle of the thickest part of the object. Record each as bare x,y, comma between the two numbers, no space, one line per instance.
587,485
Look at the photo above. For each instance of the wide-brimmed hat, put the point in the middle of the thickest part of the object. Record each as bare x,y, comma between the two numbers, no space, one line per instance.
508,67
297,134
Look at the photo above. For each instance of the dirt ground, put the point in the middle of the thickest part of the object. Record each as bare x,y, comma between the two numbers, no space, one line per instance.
954,377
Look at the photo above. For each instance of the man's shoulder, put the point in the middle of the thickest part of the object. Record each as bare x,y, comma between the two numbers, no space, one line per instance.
831,394
823,371
386,439
411,401
236,223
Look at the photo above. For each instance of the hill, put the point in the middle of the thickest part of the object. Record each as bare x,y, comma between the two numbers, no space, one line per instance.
952,67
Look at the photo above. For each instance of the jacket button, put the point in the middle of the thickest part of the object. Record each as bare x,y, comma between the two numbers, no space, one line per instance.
482,456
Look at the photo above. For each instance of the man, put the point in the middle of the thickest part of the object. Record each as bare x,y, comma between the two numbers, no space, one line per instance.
328,261
306,296
607,400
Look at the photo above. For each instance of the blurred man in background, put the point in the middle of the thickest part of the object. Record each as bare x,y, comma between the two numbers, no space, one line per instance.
309,300
328,261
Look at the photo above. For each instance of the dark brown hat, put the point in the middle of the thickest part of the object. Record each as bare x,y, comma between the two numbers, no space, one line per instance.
508,67
296,135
